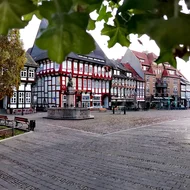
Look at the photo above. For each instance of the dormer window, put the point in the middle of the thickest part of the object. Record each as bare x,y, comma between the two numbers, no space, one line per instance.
31,73
171,72
144,68
24,73
142,60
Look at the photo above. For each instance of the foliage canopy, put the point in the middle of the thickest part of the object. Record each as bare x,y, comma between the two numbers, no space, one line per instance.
12,59
70,19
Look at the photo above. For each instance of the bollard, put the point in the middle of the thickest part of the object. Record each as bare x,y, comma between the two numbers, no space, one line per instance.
124,111
113,110
32,125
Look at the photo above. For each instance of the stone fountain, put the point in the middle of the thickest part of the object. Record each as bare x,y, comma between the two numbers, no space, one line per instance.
70,112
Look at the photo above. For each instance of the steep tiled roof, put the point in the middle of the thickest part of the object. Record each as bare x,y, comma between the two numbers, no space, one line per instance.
149,71
135,74
152,57
168,66
142,56
30,61
166,73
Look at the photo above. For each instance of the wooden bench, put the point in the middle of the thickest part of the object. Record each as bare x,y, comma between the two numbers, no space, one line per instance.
5,121
22,121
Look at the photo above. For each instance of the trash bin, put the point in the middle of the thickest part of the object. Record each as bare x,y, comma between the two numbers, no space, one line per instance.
32,125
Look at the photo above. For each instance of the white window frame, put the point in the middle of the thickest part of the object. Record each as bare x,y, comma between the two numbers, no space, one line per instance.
79,83
86,68
21,97
31,73
90,69
81,68
28,97
75,67
64,66
14,98
84,84
69,66
24,73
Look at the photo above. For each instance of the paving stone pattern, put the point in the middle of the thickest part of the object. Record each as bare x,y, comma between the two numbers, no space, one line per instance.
139,150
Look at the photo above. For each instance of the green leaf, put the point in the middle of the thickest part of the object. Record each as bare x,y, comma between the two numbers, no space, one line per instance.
103,14
117,33
12,12
48,8
138,4
91,24
167,56
87,6
66,33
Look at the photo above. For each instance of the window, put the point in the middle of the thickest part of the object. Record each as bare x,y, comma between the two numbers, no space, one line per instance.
100,84
44,67
41,66
86,68
96,84
90,69
97,98
21,97
99,70
92,84
79,83
84,83
81,68
14,97
118,72
69,66
95,70
24,73
103,71
57,66
64,65
114,72
89,83
52,64
85,97
171,72
144,68
31,73
28,97
142,60
48,66
75,67
147,78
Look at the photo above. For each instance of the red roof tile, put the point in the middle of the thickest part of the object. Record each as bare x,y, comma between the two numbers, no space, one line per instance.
166,73
135,74
142,56
150,71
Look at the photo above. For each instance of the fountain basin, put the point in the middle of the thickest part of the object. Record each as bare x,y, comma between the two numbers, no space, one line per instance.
69,113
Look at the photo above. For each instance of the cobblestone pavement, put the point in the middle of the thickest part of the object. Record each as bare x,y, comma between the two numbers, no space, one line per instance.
139,150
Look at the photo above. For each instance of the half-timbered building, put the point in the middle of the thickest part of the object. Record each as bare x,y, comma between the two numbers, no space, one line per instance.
91,75
123,86
21,101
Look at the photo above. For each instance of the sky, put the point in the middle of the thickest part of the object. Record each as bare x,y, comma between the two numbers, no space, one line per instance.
28,35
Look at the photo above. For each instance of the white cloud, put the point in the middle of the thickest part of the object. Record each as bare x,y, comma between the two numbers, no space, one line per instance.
28,34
